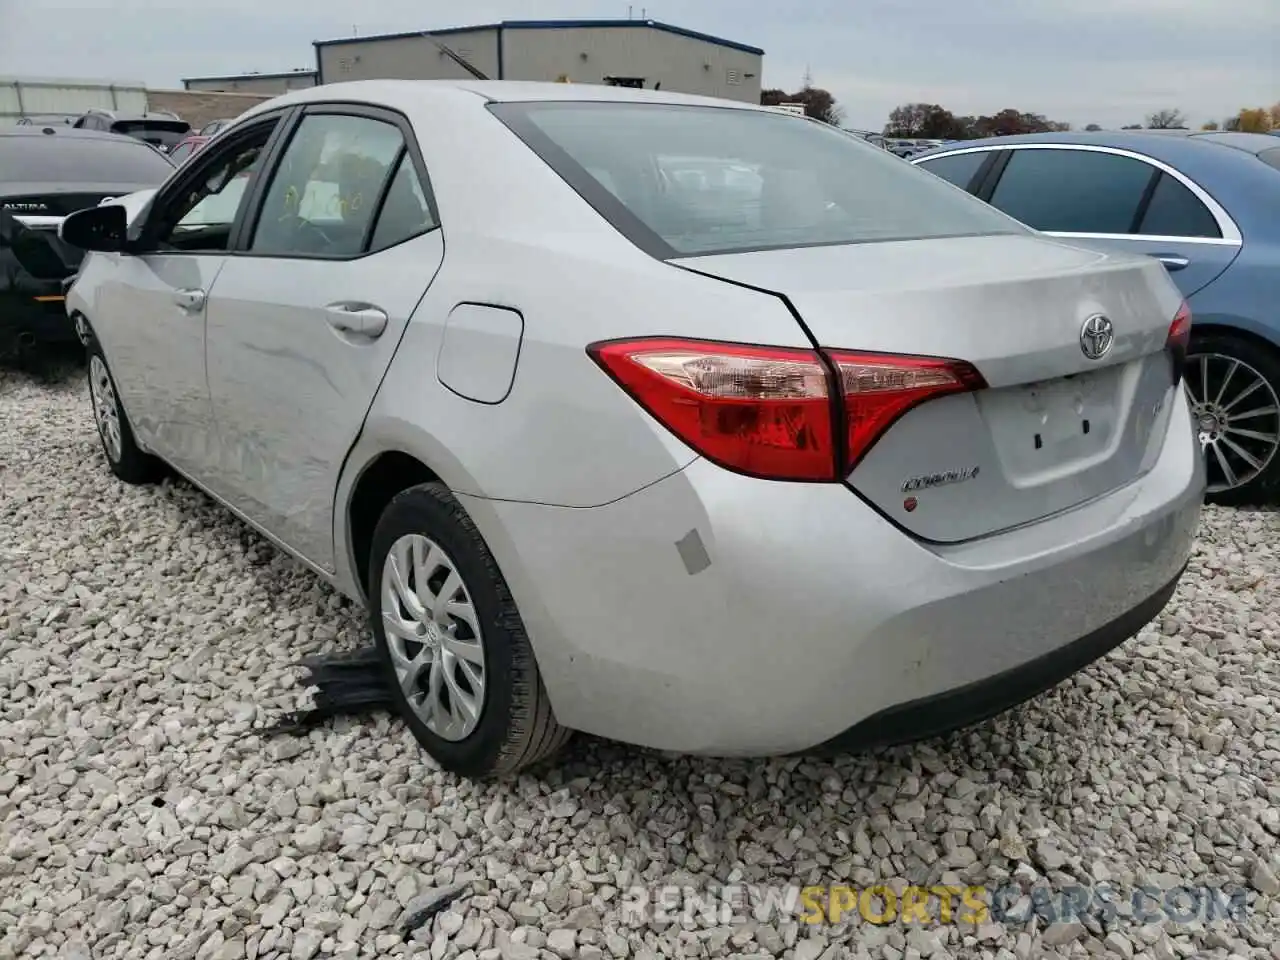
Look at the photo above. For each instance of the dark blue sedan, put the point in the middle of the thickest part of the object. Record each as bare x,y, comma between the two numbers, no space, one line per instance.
1208,206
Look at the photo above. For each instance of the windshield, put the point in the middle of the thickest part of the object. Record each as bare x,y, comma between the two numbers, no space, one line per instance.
59,159
695,180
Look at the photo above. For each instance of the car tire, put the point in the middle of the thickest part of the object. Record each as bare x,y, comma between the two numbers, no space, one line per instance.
1234,363
127,460
432,675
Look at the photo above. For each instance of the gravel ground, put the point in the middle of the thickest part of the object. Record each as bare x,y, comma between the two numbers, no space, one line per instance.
145,634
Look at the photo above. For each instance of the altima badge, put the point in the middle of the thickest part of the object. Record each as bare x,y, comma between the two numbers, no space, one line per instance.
930,480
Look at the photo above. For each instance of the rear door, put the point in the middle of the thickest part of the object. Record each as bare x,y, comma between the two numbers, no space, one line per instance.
1108,198
304,320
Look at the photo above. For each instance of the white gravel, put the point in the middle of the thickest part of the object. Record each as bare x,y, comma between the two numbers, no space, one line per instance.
145,633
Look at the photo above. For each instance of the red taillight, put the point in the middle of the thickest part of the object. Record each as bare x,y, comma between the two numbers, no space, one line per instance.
1179,339
769,411
1180,329
878,389
762,411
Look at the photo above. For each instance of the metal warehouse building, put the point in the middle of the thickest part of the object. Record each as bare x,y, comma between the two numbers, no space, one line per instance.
637,53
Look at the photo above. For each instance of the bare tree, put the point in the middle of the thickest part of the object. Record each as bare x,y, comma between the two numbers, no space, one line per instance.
1167,120
1093,128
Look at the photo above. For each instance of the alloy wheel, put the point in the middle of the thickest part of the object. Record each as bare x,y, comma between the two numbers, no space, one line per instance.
1237,416
433,637
106,413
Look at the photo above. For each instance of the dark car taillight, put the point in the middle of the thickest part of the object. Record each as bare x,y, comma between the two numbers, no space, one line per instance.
777,413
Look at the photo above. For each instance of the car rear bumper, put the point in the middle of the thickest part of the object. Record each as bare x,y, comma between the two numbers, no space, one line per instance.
713,613
37,316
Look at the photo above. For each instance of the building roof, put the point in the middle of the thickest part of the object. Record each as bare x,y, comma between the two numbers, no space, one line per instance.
282,75
550,25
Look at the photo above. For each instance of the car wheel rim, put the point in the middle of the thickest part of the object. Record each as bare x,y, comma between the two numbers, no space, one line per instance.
1237,416
106,413
433,636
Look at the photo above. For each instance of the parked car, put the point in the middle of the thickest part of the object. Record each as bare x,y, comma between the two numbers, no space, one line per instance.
162,129
1204,205
215,126
45,174
673,475
187,148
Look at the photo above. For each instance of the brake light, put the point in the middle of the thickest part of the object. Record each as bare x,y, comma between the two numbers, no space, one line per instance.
1179,339
878,389
778,413
762,411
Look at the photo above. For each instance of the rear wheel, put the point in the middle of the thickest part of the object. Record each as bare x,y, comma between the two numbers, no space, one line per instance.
126,459
1233,386
458,661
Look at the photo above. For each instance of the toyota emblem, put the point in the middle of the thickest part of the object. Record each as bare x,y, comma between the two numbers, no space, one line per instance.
1096,337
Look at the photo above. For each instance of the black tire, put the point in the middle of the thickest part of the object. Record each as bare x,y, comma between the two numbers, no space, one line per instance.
516,727
1265,362
131,464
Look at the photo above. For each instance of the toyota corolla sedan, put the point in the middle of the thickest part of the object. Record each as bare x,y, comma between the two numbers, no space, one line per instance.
818,453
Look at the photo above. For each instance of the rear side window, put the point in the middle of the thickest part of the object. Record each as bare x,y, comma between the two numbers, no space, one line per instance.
1073,191
59,159
690,180
959,168
405,212
1177,212
324,193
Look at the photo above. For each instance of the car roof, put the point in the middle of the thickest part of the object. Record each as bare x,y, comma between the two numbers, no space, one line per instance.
403,94
63,132
1156,143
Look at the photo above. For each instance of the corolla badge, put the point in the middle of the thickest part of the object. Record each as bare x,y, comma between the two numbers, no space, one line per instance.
1096,337
930,480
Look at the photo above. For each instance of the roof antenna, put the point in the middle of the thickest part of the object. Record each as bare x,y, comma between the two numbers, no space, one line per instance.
454,57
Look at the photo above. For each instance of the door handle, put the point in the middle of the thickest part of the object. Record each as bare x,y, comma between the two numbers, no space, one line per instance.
191,301
359,319
1172,261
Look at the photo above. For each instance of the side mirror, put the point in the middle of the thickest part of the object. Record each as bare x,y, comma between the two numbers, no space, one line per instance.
104,229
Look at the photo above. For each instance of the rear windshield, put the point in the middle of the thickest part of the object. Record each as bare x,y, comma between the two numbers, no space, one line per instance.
690,180
54,158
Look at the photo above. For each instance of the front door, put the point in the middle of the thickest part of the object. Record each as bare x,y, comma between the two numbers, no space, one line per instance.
156,345
305,318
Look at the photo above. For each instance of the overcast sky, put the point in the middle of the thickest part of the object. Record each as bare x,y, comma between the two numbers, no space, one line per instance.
1082,61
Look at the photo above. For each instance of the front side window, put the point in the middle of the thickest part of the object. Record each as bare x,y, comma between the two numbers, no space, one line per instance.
201,216
1073,191
702,180
958,168
325,191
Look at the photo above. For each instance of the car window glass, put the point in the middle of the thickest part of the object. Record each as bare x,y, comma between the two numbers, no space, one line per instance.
405,212
324,192
704,180
959,168
1177,212
77,158
1073,191
180,152
201,216
1271,157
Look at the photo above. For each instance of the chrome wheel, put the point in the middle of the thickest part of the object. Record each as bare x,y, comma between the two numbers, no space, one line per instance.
1237,415
433,636
105,411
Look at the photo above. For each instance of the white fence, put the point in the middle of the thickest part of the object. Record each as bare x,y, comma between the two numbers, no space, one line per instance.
50,98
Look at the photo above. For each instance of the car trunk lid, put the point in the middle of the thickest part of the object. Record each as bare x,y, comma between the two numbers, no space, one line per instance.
1055,427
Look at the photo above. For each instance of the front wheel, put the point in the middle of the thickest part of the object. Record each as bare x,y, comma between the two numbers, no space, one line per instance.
127,460
456,655
1233,386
